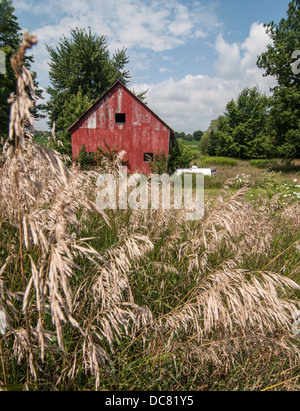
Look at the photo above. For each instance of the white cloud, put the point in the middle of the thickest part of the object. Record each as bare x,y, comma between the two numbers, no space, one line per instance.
156,25
254,45
183,24
227,64
239,60
193,101
190,103
138,25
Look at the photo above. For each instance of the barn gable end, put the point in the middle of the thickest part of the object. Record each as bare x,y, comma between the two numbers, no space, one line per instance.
124,122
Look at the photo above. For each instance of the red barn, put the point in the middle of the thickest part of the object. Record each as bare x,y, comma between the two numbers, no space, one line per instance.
125,123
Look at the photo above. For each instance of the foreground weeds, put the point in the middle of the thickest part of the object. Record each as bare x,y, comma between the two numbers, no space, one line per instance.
141,300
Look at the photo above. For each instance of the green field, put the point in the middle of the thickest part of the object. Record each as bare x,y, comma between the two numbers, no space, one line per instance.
193,145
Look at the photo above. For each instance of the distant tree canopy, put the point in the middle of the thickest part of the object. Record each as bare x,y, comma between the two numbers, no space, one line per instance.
196,136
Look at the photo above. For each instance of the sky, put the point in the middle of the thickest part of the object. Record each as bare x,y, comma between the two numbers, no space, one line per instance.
192,56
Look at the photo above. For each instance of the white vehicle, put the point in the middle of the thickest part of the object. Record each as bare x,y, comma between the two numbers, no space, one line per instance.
195,170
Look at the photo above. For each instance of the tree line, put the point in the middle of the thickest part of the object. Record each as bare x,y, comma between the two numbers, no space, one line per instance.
196,136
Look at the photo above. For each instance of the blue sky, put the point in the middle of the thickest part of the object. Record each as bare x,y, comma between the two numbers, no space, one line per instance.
193,56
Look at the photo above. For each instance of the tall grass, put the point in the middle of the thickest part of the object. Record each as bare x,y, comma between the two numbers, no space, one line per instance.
140,299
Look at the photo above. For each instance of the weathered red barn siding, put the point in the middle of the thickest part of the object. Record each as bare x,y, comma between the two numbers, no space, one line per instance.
143,131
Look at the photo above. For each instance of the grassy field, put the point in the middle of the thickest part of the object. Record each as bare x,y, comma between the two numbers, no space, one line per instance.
144,300
194,145
259,175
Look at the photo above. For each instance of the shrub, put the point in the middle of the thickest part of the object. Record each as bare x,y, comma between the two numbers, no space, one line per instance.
262,163
159,163
219,161
106,157
85,160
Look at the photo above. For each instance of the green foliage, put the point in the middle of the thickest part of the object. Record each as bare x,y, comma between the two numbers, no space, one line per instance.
102,157
180,156
197,135
284,122
187,137
73,108
241,131
260,163
85,160
285,40
159,164
141,95
82,63
284,116
274,186
255,126
207,143
10,39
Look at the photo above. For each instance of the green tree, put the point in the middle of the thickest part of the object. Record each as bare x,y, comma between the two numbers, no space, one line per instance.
159,163
284,122
179,136
142,95
10,39
82,62
72,109
197,135
85,160
285,40
247,121
208,140
277,61
188,137
180,156
242,130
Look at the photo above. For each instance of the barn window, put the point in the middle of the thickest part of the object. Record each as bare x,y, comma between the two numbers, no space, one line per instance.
120,118
148,157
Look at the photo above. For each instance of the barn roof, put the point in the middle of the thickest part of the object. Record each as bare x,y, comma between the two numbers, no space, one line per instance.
134,96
